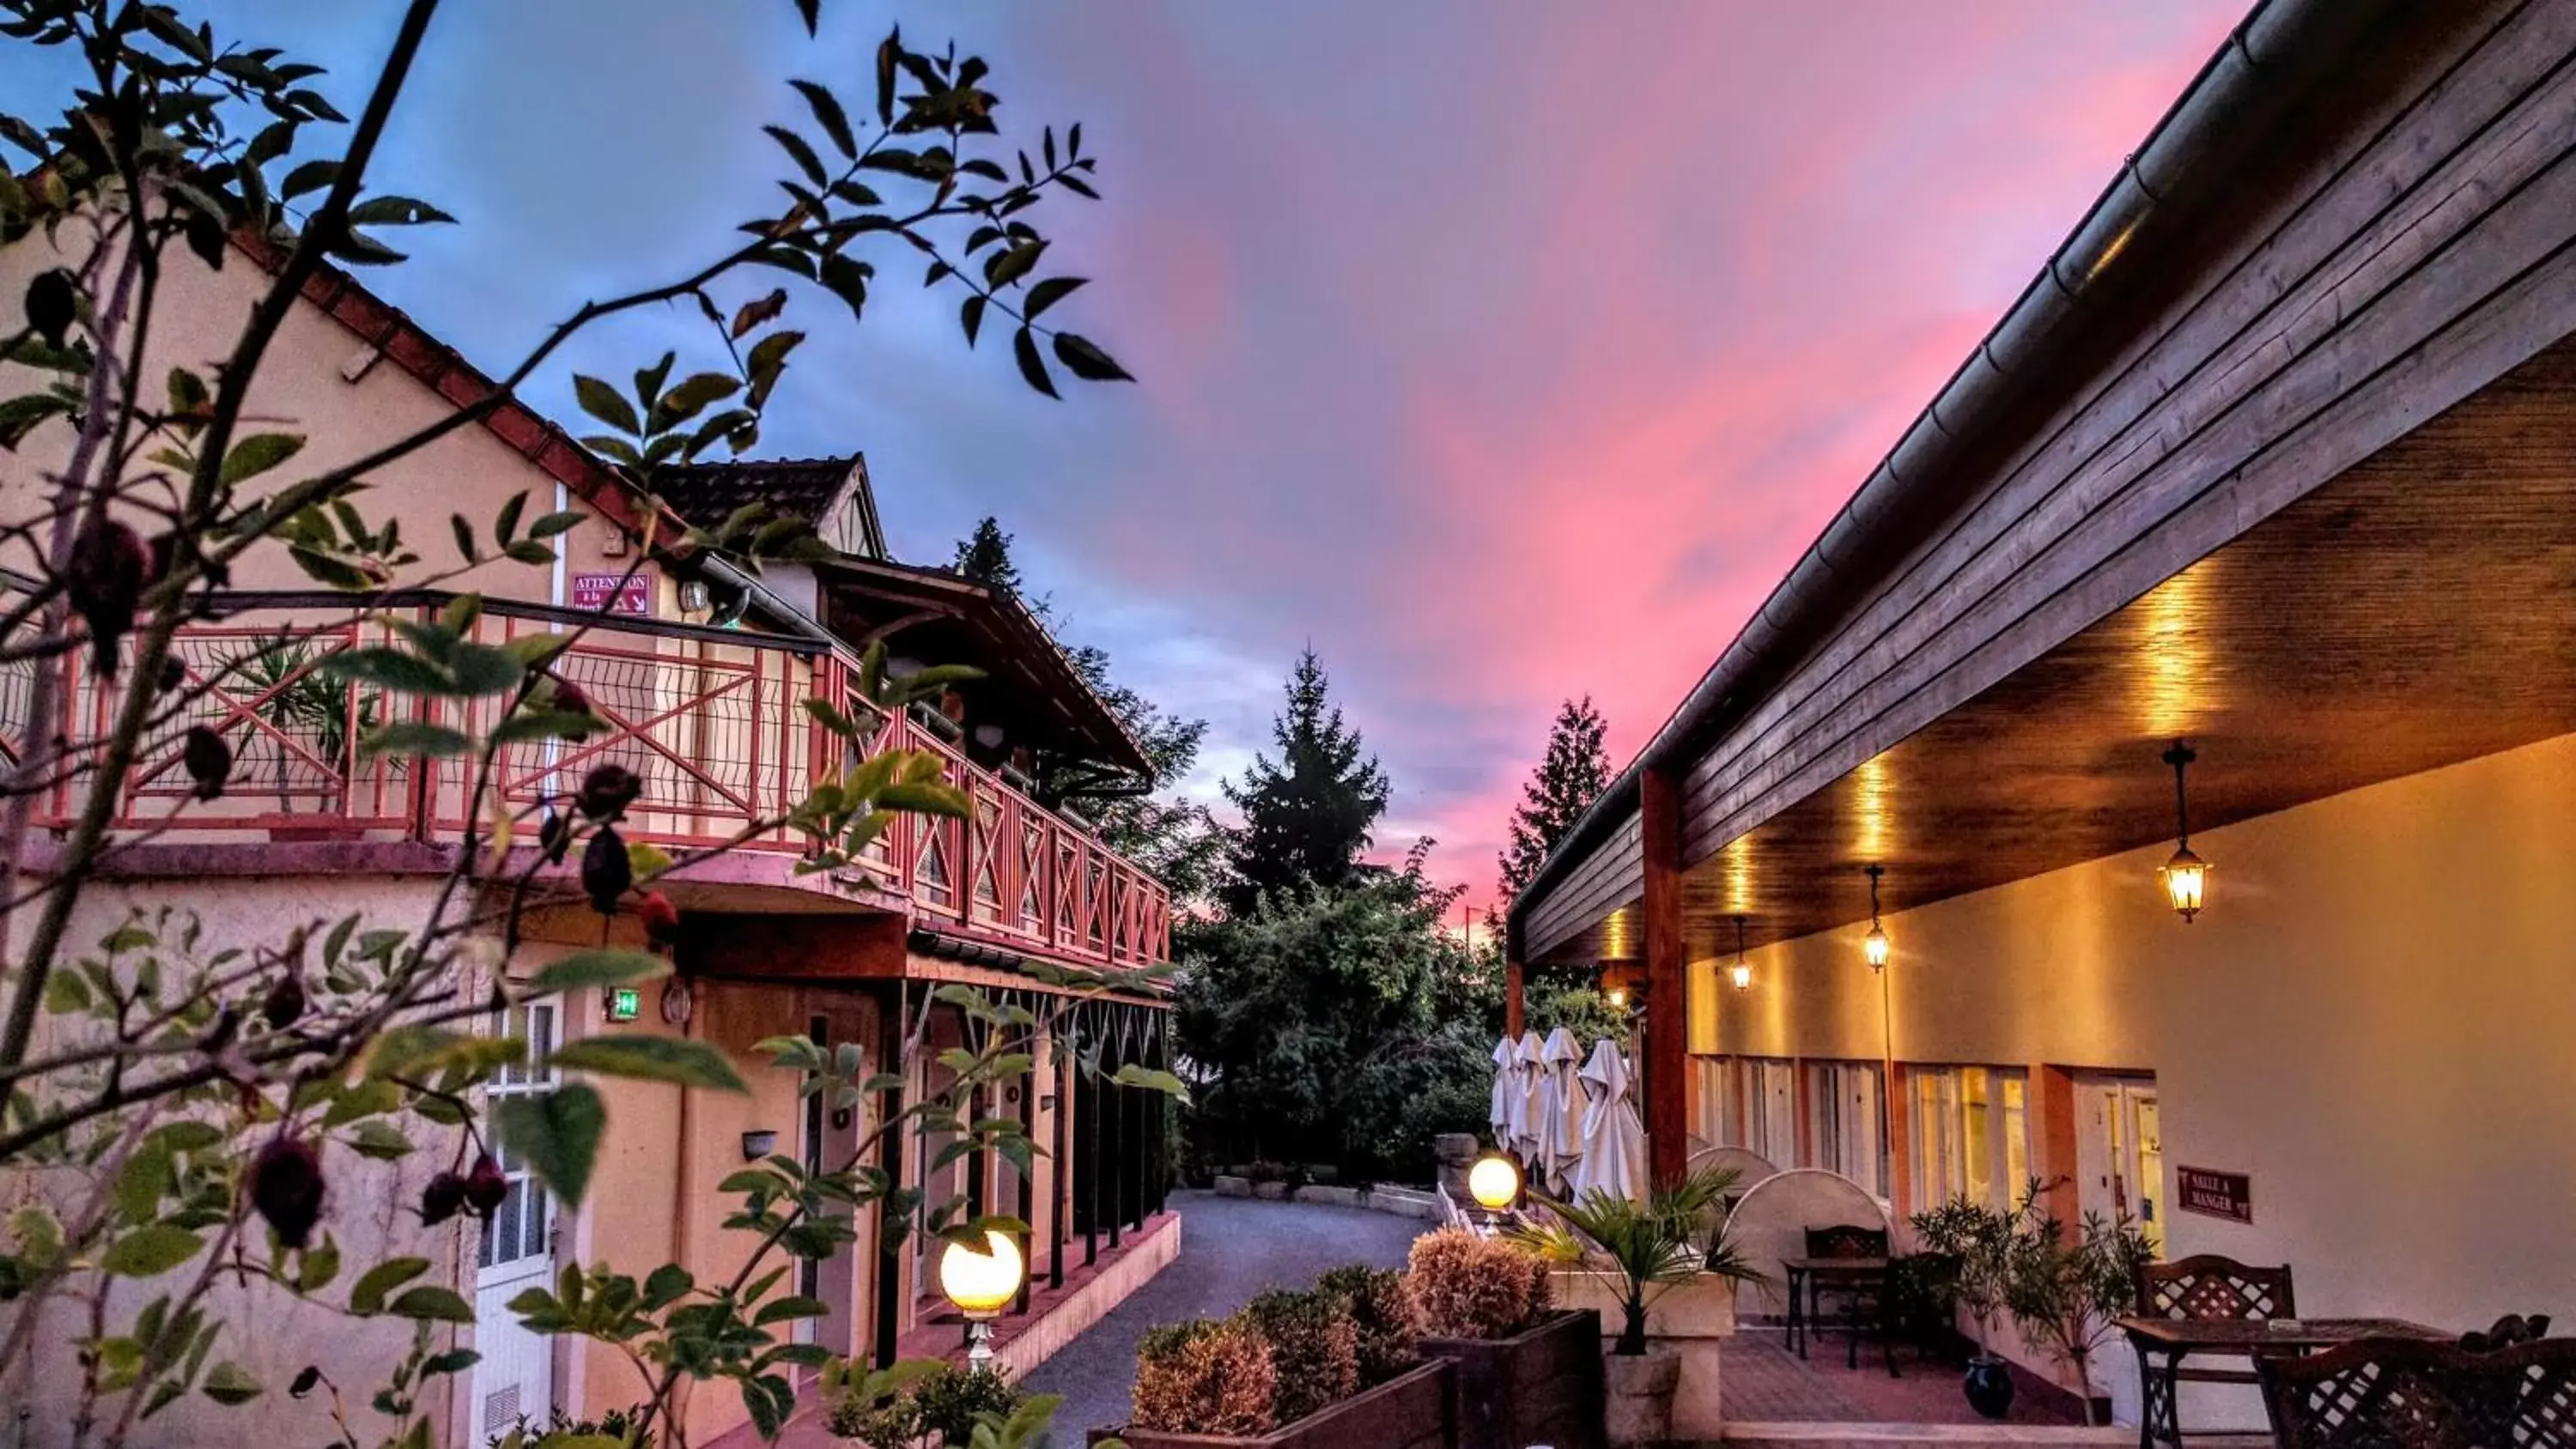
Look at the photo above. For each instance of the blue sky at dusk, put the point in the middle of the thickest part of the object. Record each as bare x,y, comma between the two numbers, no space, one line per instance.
1502,350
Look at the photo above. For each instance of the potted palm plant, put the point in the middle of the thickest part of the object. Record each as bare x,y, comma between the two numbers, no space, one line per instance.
1646,1247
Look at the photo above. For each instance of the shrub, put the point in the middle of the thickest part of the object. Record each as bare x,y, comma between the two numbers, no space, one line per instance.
1314,1350
1205,1377
1383,1314
616,1424
1469,1286
945,1403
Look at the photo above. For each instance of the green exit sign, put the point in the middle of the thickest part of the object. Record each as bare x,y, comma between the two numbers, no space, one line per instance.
625,1003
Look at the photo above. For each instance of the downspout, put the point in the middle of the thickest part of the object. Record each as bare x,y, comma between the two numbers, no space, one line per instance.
2228,108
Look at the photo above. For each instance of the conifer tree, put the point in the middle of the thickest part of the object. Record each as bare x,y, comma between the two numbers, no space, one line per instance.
986,557
1306,816
1574,772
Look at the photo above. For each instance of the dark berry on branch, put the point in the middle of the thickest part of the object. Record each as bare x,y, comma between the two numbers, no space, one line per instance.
485,1186
286,1187
605,870
442,1199
209,761
104,579
285,1003
607,790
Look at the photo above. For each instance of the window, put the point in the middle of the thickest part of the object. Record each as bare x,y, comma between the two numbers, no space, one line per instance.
1771,1124
1713,1118
1843,1123
1971,1136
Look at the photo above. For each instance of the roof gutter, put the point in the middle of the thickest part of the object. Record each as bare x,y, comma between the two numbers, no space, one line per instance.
2264,66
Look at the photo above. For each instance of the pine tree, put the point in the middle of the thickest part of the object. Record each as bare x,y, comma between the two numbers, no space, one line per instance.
1574,772
1307,817
986,557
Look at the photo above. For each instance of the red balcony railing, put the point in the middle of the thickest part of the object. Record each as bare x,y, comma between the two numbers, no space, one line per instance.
712,719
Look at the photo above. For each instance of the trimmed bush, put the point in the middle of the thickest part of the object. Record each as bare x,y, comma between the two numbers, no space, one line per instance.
1383,1314
1469,1286
944,1404
1314,1350
1206,1376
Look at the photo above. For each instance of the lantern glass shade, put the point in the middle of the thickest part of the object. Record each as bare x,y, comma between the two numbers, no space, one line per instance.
1494,1182
1741,973
981,1284
1618,998
1875,946
2186,882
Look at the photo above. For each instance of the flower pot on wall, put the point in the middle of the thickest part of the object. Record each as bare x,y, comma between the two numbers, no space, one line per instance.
1540,1387
1640,1396
1989,1386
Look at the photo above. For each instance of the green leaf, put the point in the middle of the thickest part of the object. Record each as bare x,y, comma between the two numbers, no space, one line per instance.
367,1295
389,668
229,1383
1132,1075
779,1310
686,1061
464,537
150,1251
310,176
598,966
925,799
1024,346
800,153
557,1134
847,278
1010,265
1087,362
605,403
432,1302
970,315
554,523
395,211
380,1139
258,453
316,1267
417,739
1049,292
666,1285
66,992
829,115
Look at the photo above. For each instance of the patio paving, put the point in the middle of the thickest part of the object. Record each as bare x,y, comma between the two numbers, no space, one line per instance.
1764,1382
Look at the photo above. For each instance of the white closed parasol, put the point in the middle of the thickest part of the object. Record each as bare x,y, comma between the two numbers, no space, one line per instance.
1525,1127
1614,1140
1561,1109
1510,1091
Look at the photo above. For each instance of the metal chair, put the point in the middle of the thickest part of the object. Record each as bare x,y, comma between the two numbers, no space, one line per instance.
2390,1393
2211,1288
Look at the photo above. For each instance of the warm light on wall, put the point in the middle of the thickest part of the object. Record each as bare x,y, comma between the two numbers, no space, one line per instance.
1618,998
1875,946
2186,875
1741,973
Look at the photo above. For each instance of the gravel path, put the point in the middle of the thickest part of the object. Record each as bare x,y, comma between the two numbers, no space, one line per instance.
1231,1248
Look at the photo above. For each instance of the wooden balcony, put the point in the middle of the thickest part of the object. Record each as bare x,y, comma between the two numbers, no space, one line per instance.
713,719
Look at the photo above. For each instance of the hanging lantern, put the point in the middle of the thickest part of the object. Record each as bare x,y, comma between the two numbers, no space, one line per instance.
2186,875
1741,973
1875,946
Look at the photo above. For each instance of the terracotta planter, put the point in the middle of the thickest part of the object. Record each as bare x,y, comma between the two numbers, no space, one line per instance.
1414,1410
1640,1396
1543,1387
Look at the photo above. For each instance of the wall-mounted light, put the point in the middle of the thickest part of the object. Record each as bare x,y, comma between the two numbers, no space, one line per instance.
1875,946
1618,998
2186,875
758,1143
1741,973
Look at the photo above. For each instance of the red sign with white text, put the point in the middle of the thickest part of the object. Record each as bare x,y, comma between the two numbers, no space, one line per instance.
591,592
2228,1195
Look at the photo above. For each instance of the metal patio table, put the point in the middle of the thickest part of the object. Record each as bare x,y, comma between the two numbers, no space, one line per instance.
2163,1343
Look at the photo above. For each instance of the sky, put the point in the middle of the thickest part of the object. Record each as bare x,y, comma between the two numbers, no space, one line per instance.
1499,351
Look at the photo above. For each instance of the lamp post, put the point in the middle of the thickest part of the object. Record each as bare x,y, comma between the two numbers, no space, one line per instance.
981,1284
1495,1183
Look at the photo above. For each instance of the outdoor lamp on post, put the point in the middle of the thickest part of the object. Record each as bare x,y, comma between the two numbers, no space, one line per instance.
1495,1183
981,1284
1741,973
1875,946
2186,875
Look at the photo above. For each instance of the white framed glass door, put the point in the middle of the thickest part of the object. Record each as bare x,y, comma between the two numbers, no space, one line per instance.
515,1374
2119,1153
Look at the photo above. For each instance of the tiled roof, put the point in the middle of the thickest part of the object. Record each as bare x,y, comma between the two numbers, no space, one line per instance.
792,487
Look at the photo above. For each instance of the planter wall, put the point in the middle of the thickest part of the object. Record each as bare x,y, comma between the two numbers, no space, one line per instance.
1544,1387
1414,1410
1704,1307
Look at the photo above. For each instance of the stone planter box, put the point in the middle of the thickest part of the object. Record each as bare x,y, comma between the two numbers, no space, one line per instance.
1704,1307
1414,1410
1544,1387
1228,1185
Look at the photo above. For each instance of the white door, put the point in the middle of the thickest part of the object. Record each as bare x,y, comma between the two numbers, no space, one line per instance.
515,1375
2119,1154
